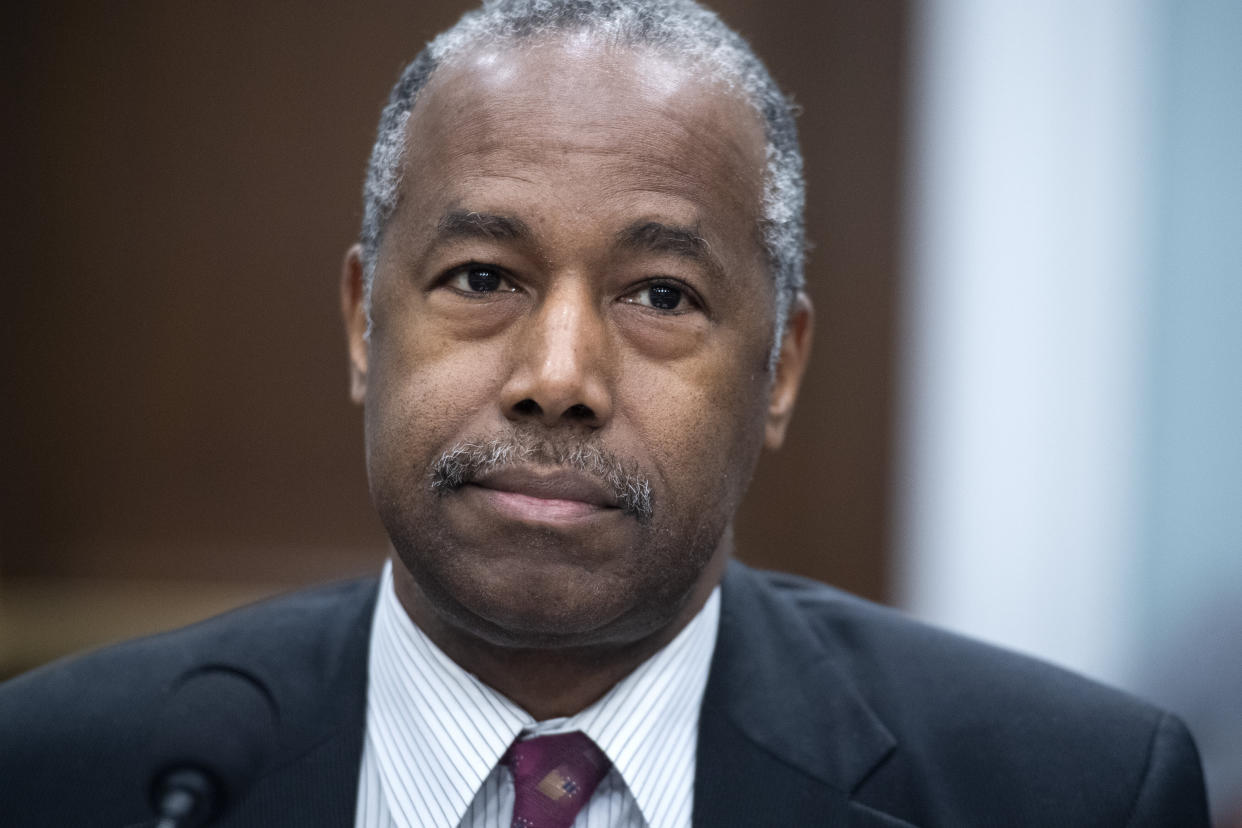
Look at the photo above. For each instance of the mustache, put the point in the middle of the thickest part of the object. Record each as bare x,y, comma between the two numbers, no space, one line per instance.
468,460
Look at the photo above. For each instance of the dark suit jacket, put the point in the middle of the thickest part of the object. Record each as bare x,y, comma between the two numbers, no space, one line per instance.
821,709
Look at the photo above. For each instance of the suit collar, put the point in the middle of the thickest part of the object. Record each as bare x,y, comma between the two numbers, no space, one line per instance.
784,734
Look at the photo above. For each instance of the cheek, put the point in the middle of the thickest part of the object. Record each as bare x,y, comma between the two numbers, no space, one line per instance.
423,395
702,426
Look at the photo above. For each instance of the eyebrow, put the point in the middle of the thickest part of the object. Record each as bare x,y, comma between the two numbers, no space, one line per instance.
650,236
677,240
471,224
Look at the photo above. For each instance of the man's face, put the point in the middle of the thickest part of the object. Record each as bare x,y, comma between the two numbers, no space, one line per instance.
566,386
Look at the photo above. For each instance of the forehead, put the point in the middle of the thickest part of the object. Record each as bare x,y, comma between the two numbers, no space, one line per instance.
586,123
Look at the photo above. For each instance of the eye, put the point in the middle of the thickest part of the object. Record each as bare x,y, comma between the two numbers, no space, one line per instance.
660,296
478,278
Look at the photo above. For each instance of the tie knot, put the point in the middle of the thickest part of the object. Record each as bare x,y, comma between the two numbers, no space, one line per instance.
553,777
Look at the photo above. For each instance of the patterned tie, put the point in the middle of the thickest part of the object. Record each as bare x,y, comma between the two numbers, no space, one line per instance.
553,778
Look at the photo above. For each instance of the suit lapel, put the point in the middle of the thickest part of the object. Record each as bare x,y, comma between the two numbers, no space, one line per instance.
784,736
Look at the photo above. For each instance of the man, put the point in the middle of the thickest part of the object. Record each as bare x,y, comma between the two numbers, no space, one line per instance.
574,319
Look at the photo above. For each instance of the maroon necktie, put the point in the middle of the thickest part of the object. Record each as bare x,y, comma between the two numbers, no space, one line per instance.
553,778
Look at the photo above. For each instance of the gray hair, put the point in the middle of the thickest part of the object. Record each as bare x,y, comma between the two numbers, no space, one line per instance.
681,28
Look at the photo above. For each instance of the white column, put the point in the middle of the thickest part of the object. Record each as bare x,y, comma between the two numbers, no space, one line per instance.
1024,320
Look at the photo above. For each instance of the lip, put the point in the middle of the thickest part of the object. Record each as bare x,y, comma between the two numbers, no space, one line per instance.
544,496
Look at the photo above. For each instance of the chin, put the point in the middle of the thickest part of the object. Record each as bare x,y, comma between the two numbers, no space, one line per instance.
543,596
524,602
516,586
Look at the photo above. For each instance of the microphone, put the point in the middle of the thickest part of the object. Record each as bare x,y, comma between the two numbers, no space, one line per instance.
212,738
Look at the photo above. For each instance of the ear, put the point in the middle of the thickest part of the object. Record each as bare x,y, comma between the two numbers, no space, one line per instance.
353,309
795,349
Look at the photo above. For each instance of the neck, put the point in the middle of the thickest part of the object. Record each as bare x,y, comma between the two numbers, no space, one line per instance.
551,683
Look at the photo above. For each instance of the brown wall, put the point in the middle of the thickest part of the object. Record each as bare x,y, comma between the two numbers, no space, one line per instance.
183,180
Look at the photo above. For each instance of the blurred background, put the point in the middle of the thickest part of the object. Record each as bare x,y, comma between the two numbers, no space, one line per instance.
1022,419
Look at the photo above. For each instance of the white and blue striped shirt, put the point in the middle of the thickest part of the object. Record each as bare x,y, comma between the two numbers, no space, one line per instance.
435,733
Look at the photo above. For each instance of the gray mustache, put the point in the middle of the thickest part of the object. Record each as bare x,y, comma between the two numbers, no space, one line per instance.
469,459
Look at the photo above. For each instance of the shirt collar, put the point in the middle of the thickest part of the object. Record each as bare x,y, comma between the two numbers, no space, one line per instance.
439,731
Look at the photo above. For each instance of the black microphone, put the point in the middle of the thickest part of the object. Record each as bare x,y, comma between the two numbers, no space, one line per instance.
212,738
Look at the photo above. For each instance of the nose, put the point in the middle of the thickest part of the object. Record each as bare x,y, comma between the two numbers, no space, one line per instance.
560,373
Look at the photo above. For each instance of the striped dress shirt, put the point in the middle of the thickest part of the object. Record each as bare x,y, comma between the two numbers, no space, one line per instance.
435,734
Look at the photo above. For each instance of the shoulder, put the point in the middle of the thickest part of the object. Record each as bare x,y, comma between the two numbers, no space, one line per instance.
974,722
298,630
889,654
88,717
